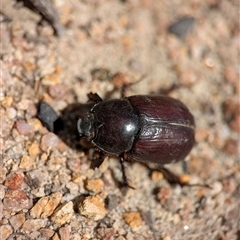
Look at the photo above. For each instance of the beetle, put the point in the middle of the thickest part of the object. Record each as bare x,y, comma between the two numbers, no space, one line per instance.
144,128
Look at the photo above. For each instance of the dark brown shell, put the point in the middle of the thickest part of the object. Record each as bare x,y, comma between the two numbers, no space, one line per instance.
166,130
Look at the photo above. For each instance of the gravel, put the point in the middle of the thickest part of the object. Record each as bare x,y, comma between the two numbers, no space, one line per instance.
47,188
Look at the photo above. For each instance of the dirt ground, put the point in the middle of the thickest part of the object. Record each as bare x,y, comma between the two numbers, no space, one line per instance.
47,188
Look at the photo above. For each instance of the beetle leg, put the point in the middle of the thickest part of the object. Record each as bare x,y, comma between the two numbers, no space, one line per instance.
174,179
127,85
94,97
124,176
98,158
171,177
167,91
123,90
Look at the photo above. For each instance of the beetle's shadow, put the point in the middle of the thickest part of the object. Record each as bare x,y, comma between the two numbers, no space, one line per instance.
65,127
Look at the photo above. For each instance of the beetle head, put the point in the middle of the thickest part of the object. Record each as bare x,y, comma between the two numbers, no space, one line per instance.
85,126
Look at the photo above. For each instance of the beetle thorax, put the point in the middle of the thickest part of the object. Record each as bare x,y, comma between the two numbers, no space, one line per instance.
116,126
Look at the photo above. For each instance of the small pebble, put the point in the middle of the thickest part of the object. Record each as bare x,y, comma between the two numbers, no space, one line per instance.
49,140
33,150
16,201
34,235
229,185
11,112
44,157
36,179
216,188
231,111
92,207
3,172
51,79
29,66
57,91
2,144
201,134
31,225
1,212
63,213
24,104
156,176
46,232
112,201
133,219
26,162
200,192
73,187
47,115
182,26
234,124
64,233
46,205
231,147
2,191
86,236
23,127
106,233
7,102
176,218
148,218
14,180
74,164
35,124
94,185
5,231
185,178
17,220
31,110
163,194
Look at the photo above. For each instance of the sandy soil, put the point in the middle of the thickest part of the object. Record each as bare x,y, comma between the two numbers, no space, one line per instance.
47,188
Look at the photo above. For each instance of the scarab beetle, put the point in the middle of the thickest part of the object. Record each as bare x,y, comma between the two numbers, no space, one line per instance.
148,129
